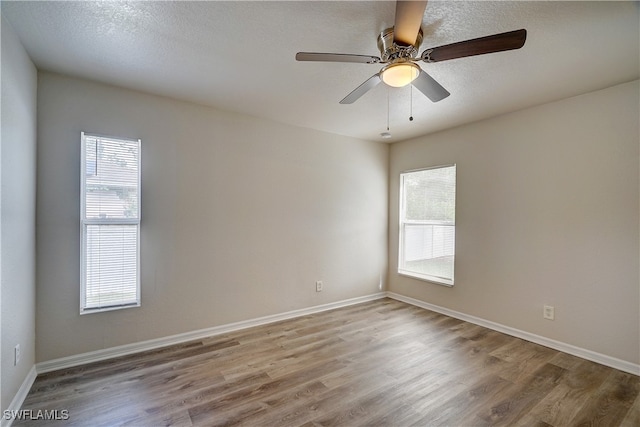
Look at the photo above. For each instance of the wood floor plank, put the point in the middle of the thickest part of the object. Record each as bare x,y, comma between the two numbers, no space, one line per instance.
518,400
632,419
562,404
610,403
380,363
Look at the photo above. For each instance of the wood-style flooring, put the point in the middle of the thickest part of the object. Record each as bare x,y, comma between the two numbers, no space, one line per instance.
381,363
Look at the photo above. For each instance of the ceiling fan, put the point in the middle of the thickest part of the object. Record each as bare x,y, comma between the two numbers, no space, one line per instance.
399,51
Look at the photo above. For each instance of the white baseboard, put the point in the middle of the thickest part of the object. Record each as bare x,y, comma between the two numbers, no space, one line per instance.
123,350
108,353
18,399
593,356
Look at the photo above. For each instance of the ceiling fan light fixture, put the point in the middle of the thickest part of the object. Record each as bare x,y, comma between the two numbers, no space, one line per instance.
399,74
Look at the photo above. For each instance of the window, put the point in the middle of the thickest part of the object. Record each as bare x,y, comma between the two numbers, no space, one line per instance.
110,222
427,224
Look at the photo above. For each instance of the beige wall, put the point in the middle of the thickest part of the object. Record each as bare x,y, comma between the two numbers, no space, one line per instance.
17,218
240,216
547,213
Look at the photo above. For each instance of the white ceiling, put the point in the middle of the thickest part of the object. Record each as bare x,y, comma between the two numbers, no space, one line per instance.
239,56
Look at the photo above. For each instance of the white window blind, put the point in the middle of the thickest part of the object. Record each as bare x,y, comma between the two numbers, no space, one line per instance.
110,221
427,224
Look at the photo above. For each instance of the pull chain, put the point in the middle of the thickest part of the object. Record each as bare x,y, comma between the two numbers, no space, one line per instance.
387,134
388,109
411,103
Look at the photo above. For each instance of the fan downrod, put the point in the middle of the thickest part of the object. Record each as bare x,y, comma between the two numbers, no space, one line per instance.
391,51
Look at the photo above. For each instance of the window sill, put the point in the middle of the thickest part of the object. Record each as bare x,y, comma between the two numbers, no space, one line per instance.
426,278
112,308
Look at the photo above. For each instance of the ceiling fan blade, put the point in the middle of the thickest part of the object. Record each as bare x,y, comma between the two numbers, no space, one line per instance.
365,87
489,44
431,88
336,57
408,21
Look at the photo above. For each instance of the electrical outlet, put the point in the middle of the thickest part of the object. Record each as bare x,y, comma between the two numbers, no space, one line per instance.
319,286
16,355
548,312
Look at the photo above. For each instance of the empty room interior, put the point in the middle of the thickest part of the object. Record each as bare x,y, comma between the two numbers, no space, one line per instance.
320,213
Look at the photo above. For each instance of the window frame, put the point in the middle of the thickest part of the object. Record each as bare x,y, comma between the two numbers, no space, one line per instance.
85,222
402,222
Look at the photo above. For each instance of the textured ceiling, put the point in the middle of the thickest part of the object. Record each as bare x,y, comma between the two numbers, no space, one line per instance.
239,56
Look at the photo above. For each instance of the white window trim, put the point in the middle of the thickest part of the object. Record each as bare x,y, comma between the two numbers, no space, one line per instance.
84,222
407,273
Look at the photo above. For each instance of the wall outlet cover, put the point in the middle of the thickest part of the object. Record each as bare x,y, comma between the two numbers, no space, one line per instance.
548,312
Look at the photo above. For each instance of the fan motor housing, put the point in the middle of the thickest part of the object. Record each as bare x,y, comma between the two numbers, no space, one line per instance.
390,51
